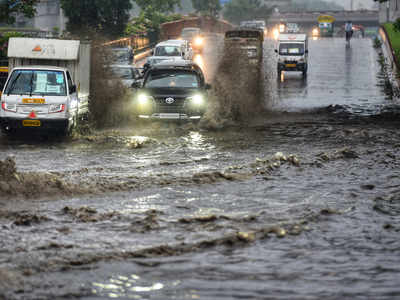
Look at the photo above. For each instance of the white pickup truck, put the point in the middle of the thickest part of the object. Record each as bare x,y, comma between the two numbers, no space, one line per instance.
48,85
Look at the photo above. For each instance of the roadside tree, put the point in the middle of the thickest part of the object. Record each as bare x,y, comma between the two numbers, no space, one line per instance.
107,17
8,9
207,7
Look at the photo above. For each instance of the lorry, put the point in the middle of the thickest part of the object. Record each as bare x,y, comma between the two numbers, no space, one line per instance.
292,50
249,41
195,38
48,85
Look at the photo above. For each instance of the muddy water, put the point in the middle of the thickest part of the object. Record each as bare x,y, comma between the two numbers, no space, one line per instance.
301,202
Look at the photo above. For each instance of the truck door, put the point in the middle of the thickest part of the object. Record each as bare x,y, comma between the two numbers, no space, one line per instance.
73,95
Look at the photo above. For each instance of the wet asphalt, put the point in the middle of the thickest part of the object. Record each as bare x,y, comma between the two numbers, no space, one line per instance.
300,201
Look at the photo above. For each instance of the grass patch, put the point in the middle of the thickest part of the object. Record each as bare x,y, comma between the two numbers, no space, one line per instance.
394,37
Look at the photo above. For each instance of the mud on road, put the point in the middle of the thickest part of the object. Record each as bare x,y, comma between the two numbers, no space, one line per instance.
299,204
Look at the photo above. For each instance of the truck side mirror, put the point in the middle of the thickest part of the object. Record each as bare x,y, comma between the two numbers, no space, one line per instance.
72,89
306,51
207,86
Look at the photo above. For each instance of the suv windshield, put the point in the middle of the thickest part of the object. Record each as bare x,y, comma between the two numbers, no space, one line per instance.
35,82
167,51
291,49
171,79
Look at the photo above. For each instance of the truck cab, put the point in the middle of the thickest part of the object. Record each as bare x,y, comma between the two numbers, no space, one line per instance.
292,51
52,95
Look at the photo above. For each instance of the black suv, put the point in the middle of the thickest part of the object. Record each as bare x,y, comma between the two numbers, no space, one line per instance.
172,90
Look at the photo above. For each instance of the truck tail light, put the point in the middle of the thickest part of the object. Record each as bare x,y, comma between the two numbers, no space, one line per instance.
9,107
56,108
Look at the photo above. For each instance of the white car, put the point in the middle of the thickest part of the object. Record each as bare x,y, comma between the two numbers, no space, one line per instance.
171,50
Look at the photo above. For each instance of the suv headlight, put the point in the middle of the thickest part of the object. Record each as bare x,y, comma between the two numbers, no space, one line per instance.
143,99
196,100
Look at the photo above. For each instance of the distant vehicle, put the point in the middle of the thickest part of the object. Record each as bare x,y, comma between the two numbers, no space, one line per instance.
292,28
326,25
172,90
250,42
38,93
169,50
292,53
195,37
128,74
257,24
122,55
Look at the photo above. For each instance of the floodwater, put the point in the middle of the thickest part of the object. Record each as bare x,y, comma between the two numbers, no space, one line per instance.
300,202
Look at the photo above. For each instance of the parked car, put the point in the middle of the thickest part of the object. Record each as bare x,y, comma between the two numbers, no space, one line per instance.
122,55
172,90
128,74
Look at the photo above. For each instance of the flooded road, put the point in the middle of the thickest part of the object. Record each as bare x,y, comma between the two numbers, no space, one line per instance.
300,202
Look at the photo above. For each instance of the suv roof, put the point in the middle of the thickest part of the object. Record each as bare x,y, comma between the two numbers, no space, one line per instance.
171,43
174,64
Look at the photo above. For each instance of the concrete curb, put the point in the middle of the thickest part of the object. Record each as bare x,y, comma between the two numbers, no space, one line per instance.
390,57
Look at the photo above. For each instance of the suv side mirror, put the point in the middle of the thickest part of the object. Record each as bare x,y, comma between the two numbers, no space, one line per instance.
151,52
276,51
207,86
72,89
306,51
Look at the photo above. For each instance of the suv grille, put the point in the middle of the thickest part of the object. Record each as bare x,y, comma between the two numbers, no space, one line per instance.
177,106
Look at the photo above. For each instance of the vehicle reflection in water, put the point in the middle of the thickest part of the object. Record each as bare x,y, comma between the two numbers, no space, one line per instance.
123,286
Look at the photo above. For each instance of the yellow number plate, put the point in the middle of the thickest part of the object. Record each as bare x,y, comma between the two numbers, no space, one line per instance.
33,101
31,123
290,65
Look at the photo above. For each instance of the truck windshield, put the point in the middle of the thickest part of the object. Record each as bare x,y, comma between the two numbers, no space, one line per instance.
167,51
36,82
291,49
172,79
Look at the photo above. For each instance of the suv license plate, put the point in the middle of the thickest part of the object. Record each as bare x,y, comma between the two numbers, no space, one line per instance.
31,123
169,116
290,65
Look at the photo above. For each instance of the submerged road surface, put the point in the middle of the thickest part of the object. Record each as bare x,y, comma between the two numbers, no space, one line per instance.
301,202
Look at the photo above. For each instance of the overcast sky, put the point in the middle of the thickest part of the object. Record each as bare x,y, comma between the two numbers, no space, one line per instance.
357,3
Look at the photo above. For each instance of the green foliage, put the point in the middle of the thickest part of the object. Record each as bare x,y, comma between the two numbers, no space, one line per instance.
149,21
207,7
106,17
242,10
396,25
394,38
10,7
158,5
4,37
